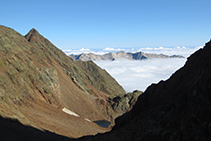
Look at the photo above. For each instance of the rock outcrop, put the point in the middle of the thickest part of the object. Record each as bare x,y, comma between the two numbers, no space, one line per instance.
37,81
120,55
176,109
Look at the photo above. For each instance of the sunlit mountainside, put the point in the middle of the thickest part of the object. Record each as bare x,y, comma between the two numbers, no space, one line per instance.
42,87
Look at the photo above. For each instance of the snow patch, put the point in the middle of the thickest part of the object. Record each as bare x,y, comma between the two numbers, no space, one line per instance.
73,114
70,112
87,120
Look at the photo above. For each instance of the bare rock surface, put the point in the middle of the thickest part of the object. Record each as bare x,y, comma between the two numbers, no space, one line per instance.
120,55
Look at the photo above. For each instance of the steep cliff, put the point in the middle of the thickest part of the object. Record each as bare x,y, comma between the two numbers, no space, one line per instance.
176,109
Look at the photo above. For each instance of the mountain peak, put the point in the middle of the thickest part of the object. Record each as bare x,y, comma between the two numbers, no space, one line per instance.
36,78
32,34
33,30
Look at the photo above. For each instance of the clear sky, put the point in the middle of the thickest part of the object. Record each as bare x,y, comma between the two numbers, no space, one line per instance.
74,24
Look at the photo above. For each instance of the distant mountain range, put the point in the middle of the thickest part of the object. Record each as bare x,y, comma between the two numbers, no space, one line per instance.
120,55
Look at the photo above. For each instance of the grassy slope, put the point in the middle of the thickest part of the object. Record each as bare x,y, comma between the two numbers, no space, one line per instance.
37,80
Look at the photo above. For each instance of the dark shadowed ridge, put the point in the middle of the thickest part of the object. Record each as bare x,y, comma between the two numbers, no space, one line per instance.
176,109
13,130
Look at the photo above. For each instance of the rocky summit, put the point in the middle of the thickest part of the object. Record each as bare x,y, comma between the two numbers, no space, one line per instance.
176,109
120,55
44,91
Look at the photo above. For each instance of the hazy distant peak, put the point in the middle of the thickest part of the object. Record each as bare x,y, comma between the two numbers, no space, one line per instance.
120,55
120,52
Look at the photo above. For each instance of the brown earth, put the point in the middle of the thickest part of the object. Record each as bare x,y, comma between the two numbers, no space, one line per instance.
37,80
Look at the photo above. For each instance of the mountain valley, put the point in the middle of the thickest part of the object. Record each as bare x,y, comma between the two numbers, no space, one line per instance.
46,95
175,109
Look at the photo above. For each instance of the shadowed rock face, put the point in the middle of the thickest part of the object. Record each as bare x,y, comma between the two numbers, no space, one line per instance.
176,109
14,131
37,80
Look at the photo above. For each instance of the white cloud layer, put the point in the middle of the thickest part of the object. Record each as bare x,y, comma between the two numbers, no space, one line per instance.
138,75
113,49
184,51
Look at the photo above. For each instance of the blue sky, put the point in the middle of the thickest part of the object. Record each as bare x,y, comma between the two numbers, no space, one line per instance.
75,24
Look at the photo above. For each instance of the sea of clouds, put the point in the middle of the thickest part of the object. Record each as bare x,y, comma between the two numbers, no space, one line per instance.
184,51
138,75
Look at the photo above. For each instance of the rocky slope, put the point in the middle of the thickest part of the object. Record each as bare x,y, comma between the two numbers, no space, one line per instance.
176,109
37,80
120,55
